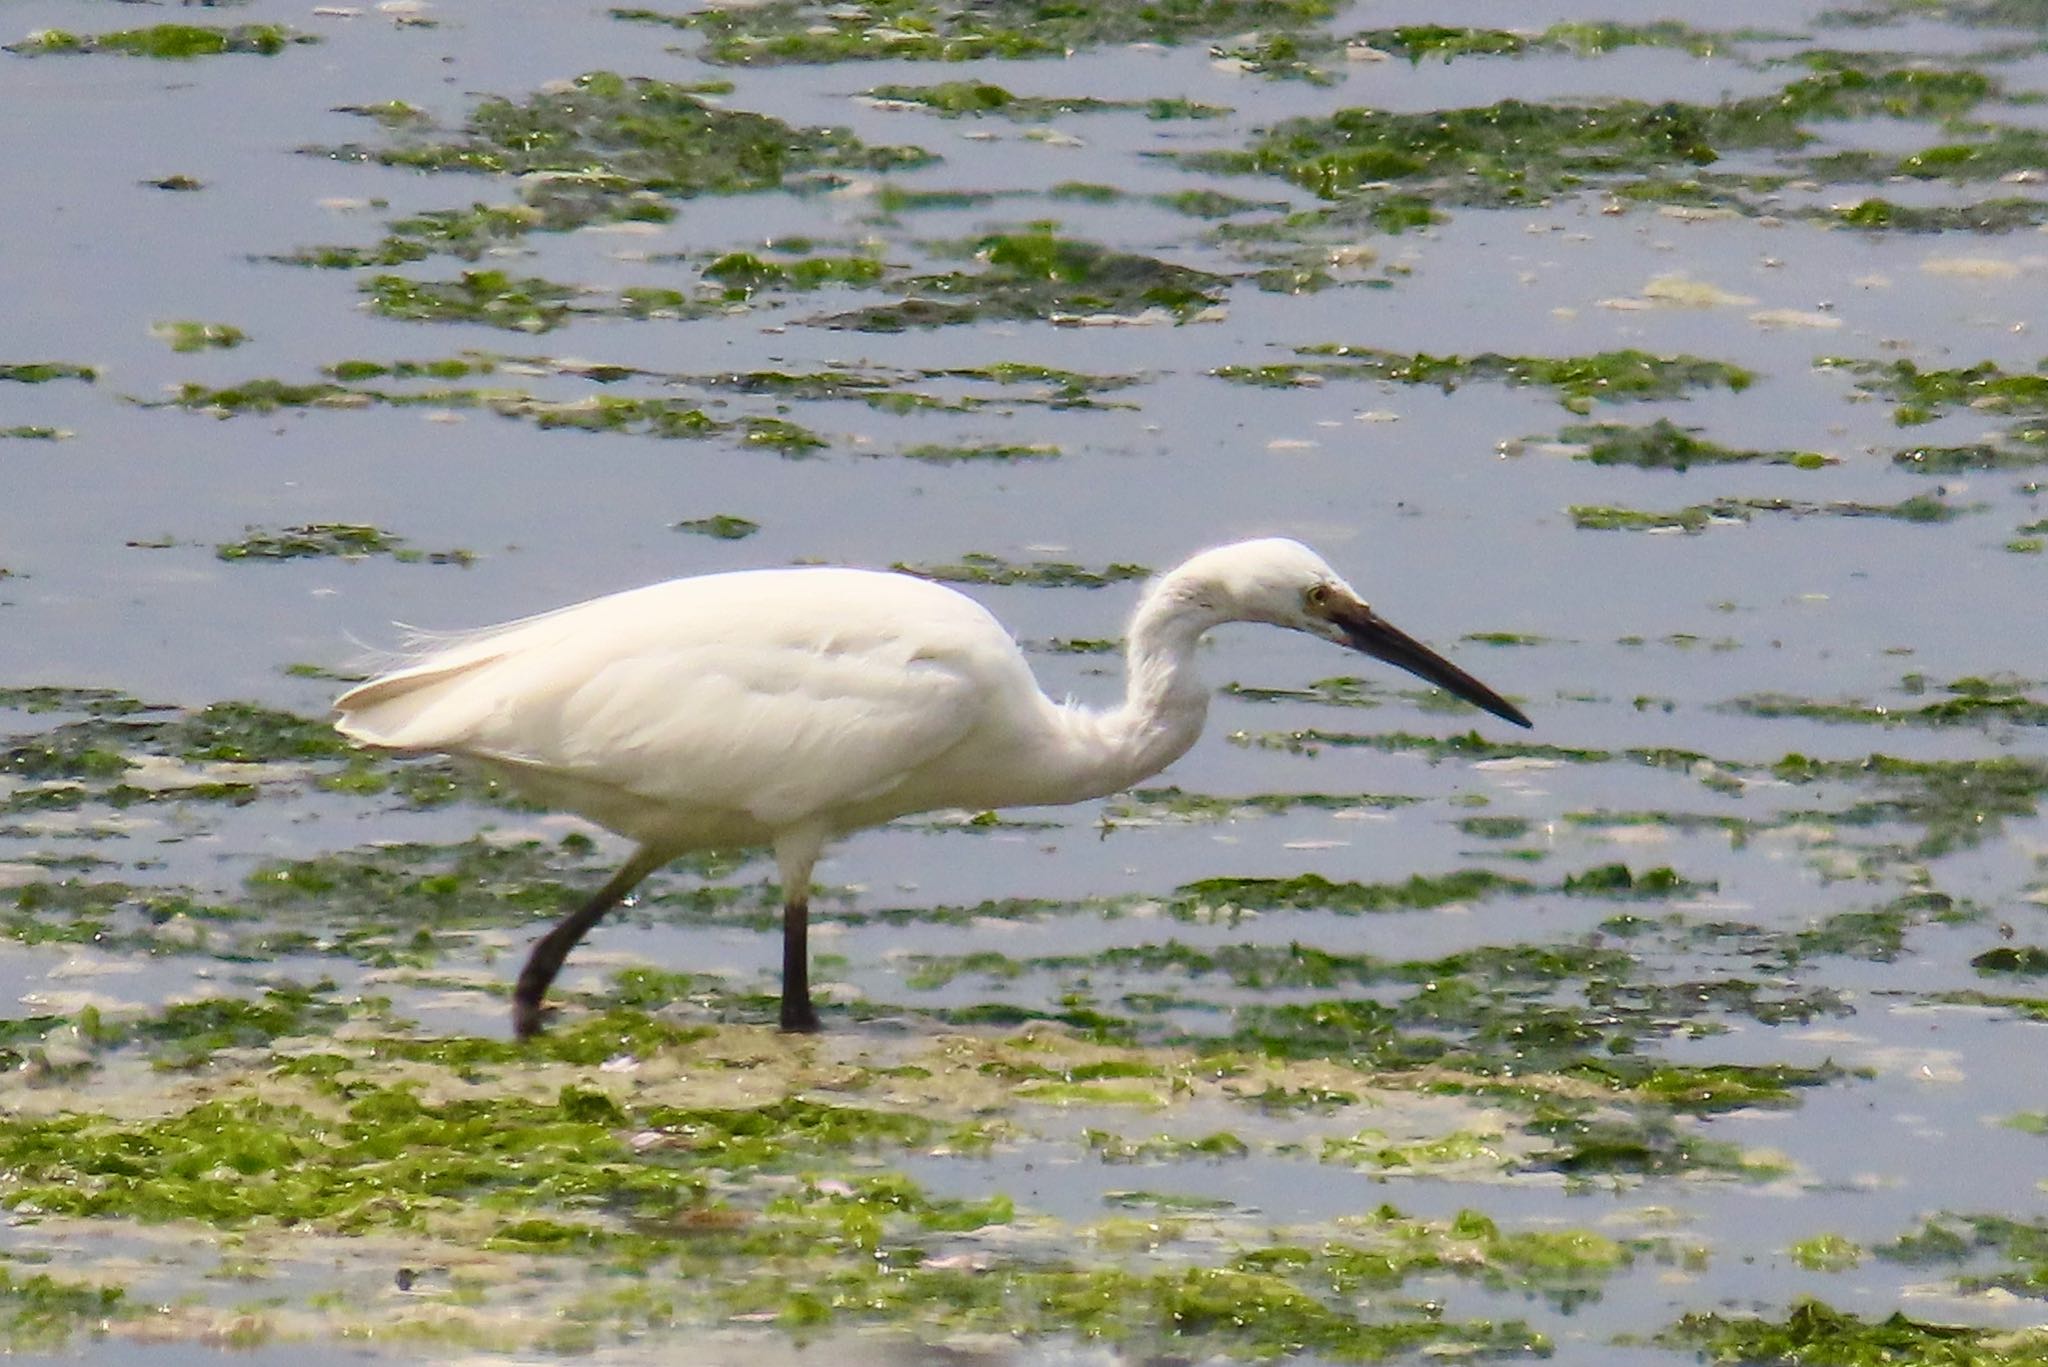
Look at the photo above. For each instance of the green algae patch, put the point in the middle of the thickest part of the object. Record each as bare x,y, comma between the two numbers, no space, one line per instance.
743,273
1664,445
1250,1315
1970,702
784,1207
1313,891
934,453
2026,961
1950,1239
185,336
979,568
1519,152
604,149
644,134
1998,215
802,31
319,540
1038,274
185,1035
1626,376
1826,1253
44,1314
1923,395
42,372
597,410
175,42
955,99
603,140
1816,1333
1440,42
387,1161
1920,508
493,298
719,527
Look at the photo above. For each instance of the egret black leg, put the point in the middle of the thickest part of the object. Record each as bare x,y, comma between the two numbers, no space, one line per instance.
545,959
798,1016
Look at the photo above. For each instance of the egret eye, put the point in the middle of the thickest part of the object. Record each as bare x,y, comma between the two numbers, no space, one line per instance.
1318,597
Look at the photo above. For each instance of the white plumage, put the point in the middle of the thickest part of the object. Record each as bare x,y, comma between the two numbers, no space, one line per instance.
786,707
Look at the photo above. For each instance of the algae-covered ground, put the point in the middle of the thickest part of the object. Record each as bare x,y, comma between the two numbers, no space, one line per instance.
1701,1023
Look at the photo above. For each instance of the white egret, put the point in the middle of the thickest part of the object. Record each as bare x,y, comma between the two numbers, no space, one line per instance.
786,707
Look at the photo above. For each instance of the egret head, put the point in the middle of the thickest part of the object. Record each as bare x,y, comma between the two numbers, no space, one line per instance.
1284,583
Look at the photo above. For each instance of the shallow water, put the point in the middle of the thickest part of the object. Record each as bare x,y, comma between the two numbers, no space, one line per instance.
1699,695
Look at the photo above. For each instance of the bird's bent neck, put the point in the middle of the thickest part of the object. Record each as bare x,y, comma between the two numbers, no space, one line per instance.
1164,702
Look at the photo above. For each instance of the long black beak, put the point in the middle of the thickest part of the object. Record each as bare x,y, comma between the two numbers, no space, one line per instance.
1365,630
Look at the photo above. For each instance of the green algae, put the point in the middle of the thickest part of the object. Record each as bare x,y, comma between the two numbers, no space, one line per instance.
2027,961
978,567
2002,152
1212,1311
743,273
183,1035
720,527
32,433
1664,445
1051,385
1952,803
439,368
665,418
493,298
1626,376
604,149
933,453
1313,891
646,135
1954,1239
798,31
1420,42
1923,395
954,99
42,372
1177,804
1920,508
1038,274
44,1314
315,540
2000,215
2023,14
1970,702
262,396
1826,1253
186,336
780,436
1517,152
1816,1333
175,42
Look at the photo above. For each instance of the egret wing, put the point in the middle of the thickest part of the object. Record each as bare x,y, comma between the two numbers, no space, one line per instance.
777,694
780,734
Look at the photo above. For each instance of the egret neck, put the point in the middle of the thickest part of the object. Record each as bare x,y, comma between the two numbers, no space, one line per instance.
1165,702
